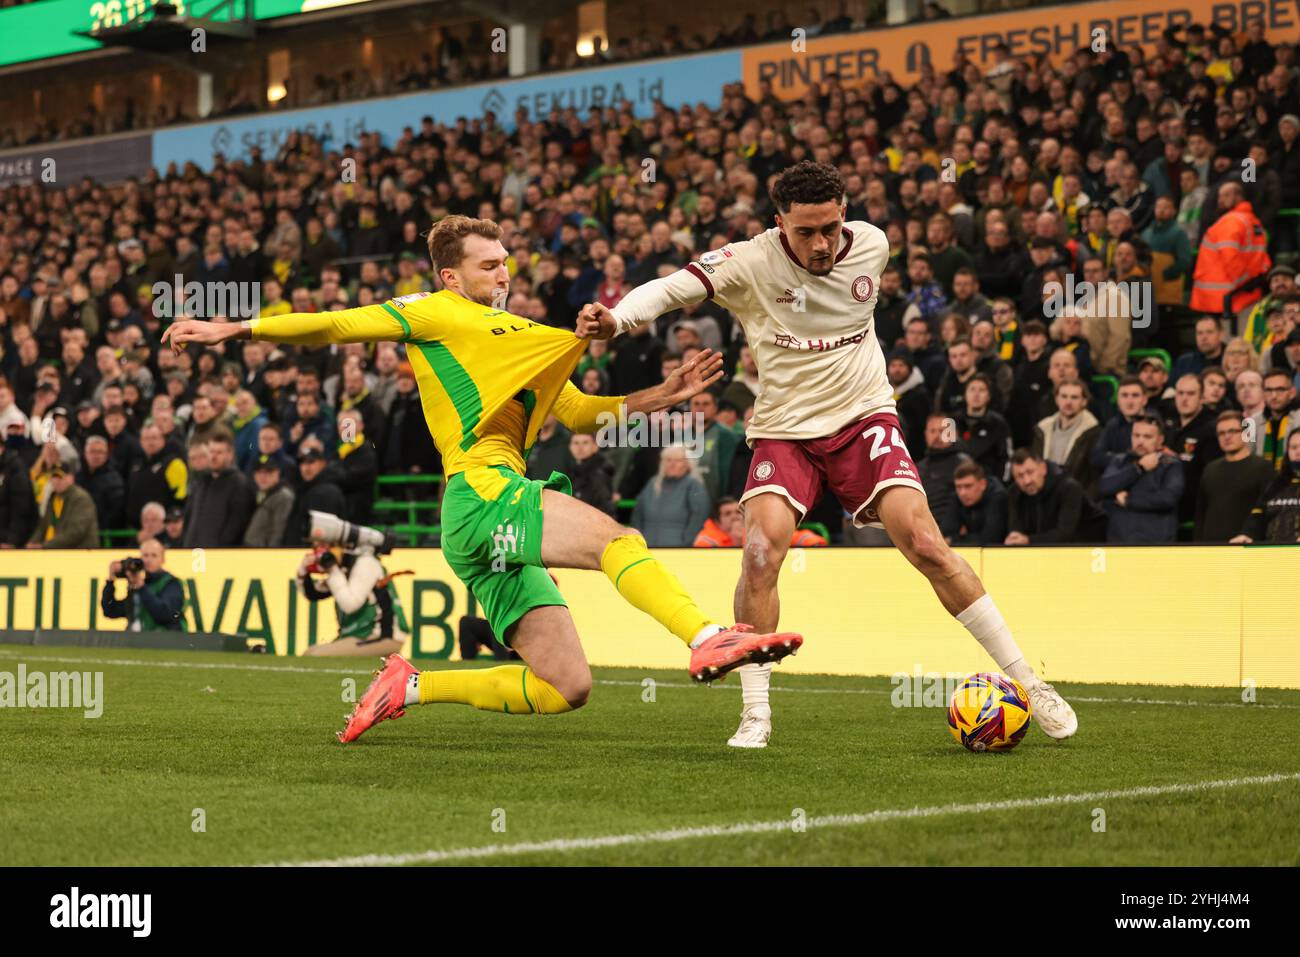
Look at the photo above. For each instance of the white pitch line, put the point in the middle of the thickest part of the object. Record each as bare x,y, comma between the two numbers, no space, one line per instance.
562,845
298,669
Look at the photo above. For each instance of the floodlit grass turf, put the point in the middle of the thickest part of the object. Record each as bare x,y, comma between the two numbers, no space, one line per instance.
255,750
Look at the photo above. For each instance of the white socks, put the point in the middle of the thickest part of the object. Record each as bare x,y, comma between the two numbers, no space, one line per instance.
704,634
983,620
413,689
754,682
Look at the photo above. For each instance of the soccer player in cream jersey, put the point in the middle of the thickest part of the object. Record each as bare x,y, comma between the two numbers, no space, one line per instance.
487,381
805,294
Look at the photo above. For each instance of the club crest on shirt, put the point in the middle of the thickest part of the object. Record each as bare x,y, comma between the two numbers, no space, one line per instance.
763,471
863,288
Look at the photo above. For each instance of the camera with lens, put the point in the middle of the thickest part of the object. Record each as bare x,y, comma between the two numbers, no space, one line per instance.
332,530
130,566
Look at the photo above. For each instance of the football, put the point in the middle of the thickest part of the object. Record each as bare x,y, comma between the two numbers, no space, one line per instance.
989,712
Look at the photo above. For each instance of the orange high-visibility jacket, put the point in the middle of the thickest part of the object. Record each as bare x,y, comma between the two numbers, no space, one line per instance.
712,536
1233,252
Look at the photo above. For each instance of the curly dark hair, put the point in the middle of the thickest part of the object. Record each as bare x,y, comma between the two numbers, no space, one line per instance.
807,182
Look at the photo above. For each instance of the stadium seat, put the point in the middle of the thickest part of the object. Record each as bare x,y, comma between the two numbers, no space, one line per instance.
115,537
1137,355
1106,387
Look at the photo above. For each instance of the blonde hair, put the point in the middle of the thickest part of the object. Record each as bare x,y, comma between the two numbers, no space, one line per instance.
1242,347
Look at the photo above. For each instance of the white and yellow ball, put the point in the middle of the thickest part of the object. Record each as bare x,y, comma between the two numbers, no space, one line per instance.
989,712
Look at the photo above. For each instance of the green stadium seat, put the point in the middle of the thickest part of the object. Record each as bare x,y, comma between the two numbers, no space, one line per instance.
113,537
1110,383
1137,355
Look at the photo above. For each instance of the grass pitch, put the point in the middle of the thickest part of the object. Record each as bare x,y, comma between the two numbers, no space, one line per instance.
848,778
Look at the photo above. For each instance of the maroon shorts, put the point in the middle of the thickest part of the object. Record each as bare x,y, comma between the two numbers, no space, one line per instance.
858,463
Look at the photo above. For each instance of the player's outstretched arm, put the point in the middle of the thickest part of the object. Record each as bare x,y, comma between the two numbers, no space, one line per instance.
643,304
363,324
688,379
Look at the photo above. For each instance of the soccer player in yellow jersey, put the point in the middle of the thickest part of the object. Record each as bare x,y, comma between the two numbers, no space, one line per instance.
487,381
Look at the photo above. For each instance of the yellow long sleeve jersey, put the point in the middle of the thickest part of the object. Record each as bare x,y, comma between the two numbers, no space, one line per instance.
487,378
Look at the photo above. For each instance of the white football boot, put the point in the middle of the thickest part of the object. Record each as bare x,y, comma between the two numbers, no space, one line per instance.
755,727
1053,715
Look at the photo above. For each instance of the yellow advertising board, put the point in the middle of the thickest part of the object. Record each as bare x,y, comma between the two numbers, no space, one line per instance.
1044,31
1194,616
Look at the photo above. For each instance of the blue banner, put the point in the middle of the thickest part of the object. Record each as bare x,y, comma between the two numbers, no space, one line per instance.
691,79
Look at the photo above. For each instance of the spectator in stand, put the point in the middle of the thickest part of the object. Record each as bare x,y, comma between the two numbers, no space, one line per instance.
220,500
273,504
310,422
719,445
950,399
1190,436
1230,484
1046,506
1067,438
1032,385
985,435
159,476
270,448
1155,380
18,514
1214,390
1208,352
725,528
982,506
1233,259
1141,490
1275,517
355,468
550,452
911,398
931,360
592,475
67,518
1248,392
247,426
153,519
1238,357
1116,434
672,507
1280,418
1109,324
103,482
173,528
936,469
316,492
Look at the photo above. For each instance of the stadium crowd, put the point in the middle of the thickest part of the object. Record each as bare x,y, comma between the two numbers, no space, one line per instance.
1030,423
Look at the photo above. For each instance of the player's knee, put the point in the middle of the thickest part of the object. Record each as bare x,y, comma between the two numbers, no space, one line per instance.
761,558
572,682
926,548
576,688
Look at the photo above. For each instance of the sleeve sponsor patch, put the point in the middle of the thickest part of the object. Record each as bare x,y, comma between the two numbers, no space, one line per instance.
401,301
715,256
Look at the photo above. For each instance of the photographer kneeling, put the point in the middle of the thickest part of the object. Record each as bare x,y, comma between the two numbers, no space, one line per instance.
154,597
371,619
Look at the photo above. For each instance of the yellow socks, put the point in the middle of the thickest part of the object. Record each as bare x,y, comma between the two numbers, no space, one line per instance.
647,585
512,689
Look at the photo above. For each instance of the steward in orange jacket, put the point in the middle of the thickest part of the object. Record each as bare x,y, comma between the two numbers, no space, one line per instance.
725,528
1232,258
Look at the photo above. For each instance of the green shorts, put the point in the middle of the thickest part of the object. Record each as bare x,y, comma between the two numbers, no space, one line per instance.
492,539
